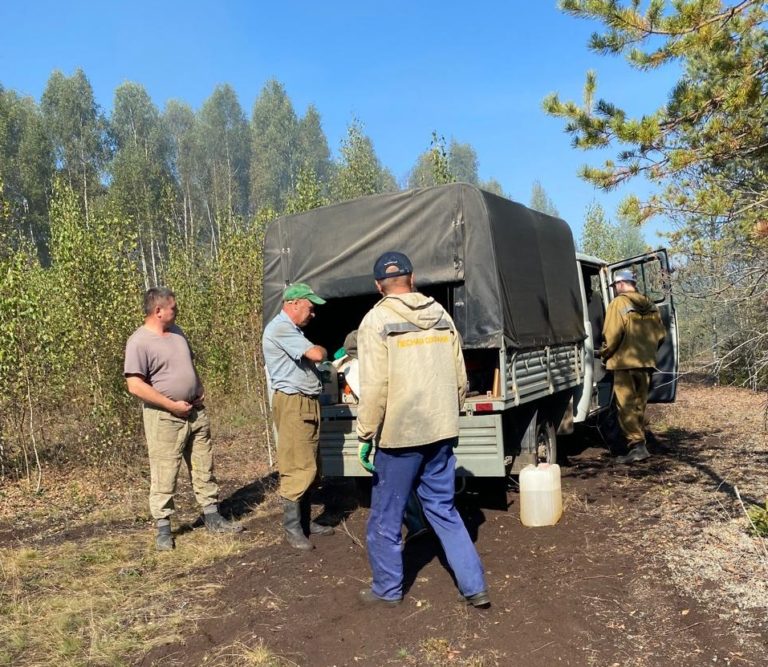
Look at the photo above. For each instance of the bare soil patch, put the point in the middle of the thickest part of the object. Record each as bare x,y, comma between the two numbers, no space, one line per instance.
650,565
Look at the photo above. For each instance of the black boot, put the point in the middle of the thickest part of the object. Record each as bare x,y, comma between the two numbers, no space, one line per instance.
637,453
294,535
215,523
307,525
369,598
479,600
164,538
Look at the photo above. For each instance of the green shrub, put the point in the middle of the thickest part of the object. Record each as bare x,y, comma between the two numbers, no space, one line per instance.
758,520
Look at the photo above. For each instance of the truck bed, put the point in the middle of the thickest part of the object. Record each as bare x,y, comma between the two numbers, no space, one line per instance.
484,425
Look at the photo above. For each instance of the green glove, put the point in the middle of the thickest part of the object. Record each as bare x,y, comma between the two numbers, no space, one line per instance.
363,453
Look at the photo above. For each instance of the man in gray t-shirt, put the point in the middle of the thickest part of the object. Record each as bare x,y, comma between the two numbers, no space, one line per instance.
165,361
159,370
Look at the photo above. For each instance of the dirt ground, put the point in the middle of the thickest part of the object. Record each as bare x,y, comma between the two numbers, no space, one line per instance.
650,564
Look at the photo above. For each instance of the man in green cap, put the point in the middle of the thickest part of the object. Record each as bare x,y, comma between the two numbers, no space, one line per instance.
295,382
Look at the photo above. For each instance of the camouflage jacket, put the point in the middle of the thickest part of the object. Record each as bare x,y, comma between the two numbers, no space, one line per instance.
632,331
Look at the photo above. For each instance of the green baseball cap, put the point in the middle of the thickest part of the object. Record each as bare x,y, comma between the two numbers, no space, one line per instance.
301,291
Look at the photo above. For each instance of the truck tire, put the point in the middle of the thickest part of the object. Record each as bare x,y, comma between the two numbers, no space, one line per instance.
363,487
546,442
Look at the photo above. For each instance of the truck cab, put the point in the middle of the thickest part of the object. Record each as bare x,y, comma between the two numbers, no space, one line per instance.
653,279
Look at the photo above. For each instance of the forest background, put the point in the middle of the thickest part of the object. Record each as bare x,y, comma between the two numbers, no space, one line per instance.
95,207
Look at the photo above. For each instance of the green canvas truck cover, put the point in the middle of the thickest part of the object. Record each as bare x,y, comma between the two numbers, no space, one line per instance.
513,270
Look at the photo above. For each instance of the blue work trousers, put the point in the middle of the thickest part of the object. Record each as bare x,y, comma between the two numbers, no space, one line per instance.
430,471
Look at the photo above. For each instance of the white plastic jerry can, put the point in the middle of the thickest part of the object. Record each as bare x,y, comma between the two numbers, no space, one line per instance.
329,394
541,499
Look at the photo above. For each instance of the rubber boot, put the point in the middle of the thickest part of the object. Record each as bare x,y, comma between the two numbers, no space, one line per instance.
307,525
215,523
164,538
294,535
637,453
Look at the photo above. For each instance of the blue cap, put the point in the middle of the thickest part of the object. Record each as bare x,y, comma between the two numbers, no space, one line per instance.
624,276
391,265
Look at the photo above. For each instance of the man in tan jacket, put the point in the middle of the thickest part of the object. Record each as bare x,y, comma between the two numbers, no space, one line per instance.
412,385
632,333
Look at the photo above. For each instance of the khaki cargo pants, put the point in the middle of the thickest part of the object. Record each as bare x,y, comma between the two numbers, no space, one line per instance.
297,419
169,439
630,387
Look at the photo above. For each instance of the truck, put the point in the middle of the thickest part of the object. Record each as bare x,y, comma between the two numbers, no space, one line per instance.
529,310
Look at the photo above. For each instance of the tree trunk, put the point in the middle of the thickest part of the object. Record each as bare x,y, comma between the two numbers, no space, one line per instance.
144,271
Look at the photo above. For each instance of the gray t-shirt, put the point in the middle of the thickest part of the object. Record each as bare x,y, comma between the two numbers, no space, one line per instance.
289,370
165,362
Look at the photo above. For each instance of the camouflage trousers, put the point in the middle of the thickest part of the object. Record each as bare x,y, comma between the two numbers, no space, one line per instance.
630,389
297,420
169,440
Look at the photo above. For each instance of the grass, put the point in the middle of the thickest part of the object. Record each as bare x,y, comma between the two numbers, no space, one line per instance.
233,418
241,655
99,601
439,652
716,443
69,597
758,520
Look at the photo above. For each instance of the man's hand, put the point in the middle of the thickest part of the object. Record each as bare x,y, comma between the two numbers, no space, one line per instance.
364,453
181,409
139,387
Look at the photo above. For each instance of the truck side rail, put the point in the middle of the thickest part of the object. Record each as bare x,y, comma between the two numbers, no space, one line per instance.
534,374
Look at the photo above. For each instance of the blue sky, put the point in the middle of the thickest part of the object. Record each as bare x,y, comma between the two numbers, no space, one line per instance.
474,72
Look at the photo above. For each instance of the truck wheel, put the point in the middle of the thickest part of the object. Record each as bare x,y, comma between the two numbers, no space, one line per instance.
363,491
546,442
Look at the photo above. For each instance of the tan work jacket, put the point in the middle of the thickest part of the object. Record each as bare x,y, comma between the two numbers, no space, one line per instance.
632,333
412,375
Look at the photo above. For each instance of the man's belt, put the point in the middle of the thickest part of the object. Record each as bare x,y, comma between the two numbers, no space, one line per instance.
298,393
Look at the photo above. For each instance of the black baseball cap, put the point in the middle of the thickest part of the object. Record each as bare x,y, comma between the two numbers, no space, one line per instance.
392,264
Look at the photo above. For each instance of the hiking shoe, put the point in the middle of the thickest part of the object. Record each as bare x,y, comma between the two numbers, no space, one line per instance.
368,597
320,529
479,600
637,453
216,523
164,542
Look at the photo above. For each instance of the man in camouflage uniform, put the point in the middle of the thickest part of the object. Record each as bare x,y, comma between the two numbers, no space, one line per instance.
632,334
